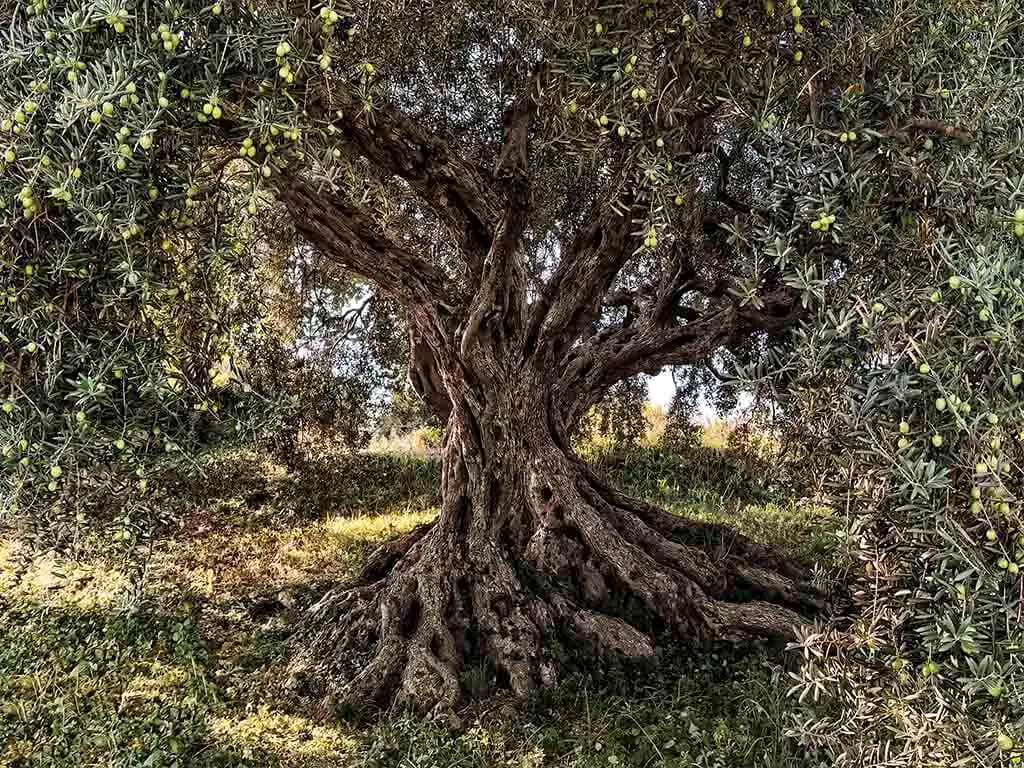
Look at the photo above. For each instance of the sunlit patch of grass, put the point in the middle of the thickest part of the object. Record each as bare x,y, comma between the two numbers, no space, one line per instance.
290,739
12,552
48,578
798,529
157,681
424,442
244,561
376,527
102,667
715,434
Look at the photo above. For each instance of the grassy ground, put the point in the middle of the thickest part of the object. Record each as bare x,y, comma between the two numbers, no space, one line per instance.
148,652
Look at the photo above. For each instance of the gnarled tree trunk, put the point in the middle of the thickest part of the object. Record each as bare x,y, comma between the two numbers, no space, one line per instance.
530,546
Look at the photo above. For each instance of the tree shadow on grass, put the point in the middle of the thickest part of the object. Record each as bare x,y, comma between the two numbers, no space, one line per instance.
339,484
143,684
711,706
191,675
677,476
252,489
709,484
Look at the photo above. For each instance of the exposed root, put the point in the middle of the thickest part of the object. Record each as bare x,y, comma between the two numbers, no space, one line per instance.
406,636
605,634
584,562
383,559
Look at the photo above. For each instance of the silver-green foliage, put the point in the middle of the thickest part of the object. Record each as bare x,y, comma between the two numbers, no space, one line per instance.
134,318
906,388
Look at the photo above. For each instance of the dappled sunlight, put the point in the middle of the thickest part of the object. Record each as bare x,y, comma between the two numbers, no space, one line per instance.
46,578
329,335
161,682
191,673
424,442
243,561
98,687
194,669
295,741
377,527
798,529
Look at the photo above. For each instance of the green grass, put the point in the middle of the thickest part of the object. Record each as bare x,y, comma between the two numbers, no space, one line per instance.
707,483
143,653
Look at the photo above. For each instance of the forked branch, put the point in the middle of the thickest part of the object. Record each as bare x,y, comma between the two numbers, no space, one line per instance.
574,295
459,192
622,351
502,291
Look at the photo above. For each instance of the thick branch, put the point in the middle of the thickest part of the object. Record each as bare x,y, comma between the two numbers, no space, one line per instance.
575,293
349,235
425,376
458,191
618,353
502,292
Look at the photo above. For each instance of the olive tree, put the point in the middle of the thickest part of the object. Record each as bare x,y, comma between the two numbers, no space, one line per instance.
559,196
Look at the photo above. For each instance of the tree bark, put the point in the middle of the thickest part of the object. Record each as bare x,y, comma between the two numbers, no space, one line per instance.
530,546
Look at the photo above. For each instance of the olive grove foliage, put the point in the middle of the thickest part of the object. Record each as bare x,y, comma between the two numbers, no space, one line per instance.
843,155
619,418
904,389
348,359
142,317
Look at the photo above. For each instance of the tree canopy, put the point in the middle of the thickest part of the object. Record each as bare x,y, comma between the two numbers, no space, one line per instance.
540,201
160,158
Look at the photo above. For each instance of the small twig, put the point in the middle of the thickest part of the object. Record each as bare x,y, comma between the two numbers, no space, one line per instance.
351,319
929,126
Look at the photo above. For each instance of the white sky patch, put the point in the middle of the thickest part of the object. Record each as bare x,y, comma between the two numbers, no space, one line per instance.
661,389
